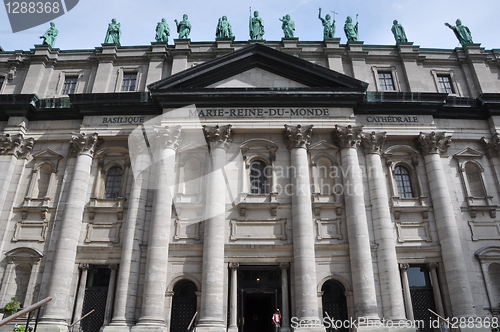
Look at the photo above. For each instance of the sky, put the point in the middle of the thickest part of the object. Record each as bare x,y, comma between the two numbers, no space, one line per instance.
84,27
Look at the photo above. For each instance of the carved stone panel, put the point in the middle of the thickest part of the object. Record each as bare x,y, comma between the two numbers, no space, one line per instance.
103,232
413,232
258,230
30,231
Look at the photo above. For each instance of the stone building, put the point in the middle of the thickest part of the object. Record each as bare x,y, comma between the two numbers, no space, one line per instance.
218,181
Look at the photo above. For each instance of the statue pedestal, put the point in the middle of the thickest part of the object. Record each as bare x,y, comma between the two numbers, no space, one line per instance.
289,42
223,45
182,43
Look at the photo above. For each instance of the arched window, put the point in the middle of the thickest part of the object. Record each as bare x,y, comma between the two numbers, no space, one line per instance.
473,175
113,182
258,177
403,181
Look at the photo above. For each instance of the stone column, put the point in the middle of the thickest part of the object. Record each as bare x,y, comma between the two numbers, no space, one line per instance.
285,312
388,271
363,284
233,315
432,146
492,147
212,314
80,295
164,145
63,267
406,290
436,289
128,274
111,294
297,139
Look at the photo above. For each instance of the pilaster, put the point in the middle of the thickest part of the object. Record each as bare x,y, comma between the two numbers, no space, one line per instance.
106,57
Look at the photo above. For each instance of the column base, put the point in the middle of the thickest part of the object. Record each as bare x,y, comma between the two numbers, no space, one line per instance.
210,329
232,329
52,327
117,328
149,328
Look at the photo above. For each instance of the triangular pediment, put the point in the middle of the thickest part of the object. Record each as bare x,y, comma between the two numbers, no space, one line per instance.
244,67
469,153
323,146
47,154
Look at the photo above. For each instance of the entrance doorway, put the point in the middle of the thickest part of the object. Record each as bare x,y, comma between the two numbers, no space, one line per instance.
258,298
258,311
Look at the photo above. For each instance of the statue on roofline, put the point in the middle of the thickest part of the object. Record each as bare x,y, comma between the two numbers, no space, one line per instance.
224,29
162,31
183,27
49,37
399,32
328,26
461,32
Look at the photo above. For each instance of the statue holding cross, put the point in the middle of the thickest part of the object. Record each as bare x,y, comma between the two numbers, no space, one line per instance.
328,26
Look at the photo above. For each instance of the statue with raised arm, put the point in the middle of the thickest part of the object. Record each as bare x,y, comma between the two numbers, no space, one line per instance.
350,29
328,26
288,26
49,37
399,32
113,34
256,27
162,31
183,27
224,29
462,32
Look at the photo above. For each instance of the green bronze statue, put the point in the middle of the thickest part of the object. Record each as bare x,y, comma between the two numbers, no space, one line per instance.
462,32
49,37
350,29
399,32
162,31
288,26
256,27
183,27
113,34
328,26
224,29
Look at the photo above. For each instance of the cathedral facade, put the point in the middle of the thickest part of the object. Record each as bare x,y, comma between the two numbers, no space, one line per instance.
207,184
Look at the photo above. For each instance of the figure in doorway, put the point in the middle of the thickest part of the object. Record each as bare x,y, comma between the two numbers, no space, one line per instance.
277,320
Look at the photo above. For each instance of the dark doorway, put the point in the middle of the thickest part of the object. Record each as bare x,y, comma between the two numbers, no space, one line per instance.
422,296
258,312
95,297
183,305
334,303
258,298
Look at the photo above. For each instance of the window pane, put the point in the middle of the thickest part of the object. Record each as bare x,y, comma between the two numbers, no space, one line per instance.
258,177
129,81
69,85
113,182
386,82
403,182
445,83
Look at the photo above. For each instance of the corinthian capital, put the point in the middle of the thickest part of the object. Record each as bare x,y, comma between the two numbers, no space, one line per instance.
167,137
16,145
347,137
218,136
298,136
433,143
492,145
372,142
83,143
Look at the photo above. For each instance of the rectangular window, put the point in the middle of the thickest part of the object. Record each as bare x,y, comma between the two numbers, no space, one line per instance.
385,81
129,81
445,85
69,85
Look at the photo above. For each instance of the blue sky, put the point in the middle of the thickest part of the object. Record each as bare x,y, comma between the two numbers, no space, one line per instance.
85,26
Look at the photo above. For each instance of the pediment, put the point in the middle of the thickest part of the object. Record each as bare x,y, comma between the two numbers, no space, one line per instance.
243,68
323,146
469,153
47,154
